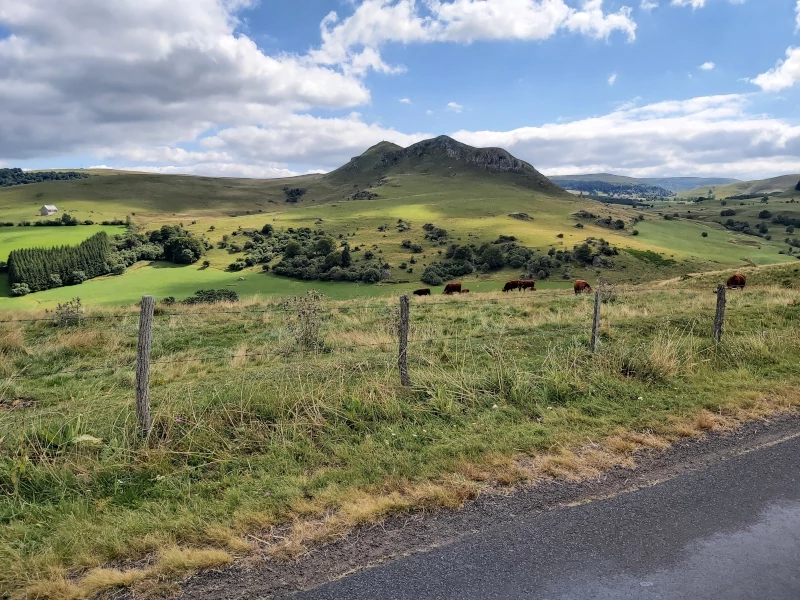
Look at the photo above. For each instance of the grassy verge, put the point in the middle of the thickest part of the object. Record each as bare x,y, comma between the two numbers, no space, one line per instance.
259,444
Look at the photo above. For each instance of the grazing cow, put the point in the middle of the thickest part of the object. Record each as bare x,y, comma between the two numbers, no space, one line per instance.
736,282
453,288
527,284
582,286
465,291
514,284
422,292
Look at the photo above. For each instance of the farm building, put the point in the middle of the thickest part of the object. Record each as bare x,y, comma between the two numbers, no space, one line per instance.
47,210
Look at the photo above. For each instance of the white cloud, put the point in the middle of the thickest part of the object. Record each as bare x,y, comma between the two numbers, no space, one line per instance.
375,23
648,5
707,66
714,135
797,10
429,112
404,101
784,75
454,107
692,3
77,74
612,79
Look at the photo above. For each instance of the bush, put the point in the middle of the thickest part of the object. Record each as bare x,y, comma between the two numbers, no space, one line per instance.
371,275
635,232
212,296
369,255
765,214
77,277
20,289
206,264
431,277
728,212
704,234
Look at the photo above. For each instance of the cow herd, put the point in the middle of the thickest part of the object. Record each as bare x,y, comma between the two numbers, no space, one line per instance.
456,287
735,282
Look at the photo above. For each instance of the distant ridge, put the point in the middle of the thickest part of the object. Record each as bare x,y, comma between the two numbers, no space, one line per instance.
442,156
672,184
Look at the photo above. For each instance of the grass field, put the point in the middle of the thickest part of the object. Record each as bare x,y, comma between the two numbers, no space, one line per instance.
471,207
15,238
253,433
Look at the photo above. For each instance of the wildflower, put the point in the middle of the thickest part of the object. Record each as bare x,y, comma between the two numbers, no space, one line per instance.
640,398
495,406
178,420
267,494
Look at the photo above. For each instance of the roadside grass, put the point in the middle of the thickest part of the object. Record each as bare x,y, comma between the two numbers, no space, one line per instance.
258,447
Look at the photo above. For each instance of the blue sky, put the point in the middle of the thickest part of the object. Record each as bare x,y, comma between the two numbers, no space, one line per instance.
272,88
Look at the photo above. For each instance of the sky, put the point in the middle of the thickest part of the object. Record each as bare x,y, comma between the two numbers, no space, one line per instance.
273,88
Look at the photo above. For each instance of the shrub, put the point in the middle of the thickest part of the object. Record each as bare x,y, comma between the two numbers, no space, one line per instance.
20,289
704,234
369,255
206,264
212,296
765,214
68,314
304,319
635,232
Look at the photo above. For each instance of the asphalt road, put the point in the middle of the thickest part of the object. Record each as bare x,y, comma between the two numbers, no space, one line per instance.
728,532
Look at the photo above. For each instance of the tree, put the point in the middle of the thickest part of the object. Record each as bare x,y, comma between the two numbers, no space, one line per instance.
492,257
292,249
324,246
334,259
583,253
765,214
267,230
346,259
704,234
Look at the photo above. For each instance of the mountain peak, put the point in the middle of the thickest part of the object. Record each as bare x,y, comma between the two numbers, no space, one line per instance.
442,156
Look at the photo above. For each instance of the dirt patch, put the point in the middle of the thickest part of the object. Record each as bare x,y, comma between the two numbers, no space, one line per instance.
265,576
17,404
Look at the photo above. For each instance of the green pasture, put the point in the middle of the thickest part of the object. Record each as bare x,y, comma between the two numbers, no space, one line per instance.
16,238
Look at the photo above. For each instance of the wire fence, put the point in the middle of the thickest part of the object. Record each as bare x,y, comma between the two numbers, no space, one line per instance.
422,308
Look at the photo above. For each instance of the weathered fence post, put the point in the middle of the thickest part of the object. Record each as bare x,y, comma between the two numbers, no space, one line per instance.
596,321
143,365
402,358
719,319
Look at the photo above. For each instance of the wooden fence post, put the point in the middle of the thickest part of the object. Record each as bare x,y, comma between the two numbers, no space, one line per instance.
402,358
143,365
719,319
596,321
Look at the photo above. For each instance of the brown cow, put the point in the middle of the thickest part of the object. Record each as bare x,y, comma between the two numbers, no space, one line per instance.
465,291
453,288
514,284
422,292
527,284
736,282
582,286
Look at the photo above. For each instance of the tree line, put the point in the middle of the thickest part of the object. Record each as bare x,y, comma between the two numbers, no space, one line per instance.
9,177
37,269
642,190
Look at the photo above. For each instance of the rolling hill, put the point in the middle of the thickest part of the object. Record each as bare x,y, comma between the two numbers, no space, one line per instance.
474,194
783,183
671,184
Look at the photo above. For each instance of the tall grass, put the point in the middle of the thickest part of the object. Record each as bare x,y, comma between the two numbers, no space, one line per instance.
268,434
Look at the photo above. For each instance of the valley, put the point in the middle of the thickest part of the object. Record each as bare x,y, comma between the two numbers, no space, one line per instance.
468,192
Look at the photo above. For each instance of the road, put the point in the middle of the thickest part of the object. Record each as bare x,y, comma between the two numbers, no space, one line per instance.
730,531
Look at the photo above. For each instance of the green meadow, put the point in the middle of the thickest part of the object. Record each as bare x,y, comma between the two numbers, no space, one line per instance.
473,207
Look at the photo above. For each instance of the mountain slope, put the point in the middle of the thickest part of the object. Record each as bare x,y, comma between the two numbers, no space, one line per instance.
441,156
783,183
680,184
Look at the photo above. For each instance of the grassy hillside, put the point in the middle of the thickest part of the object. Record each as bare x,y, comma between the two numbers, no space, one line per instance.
680,184
469,192
251,432
783,183
673,184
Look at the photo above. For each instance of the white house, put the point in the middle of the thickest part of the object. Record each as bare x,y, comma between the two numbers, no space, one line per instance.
47,210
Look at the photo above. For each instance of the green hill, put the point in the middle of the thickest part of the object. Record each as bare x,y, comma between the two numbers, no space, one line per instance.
781,184
681,184
378,202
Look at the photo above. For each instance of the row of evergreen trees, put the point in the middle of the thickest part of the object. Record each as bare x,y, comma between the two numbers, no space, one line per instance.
37,269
